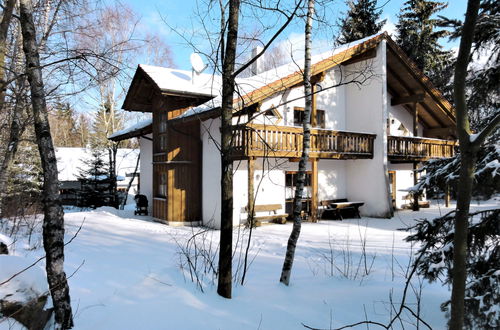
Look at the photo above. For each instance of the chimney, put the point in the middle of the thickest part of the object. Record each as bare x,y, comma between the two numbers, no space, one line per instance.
256,66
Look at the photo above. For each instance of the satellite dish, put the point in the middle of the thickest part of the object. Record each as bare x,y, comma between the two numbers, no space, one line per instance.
197,63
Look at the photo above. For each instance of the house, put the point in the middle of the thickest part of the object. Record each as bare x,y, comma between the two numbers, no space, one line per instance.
71,161
375,117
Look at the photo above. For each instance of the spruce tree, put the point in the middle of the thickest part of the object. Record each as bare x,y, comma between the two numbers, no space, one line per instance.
360,21
95,180
418,37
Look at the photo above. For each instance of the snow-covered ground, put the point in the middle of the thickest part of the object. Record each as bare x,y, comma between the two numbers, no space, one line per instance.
125,274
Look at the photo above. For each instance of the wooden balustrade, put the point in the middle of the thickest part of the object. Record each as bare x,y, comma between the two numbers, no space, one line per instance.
418,149
254,140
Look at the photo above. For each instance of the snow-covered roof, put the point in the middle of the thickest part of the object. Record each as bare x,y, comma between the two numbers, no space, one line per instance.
140,125
248,85
71,160
183,81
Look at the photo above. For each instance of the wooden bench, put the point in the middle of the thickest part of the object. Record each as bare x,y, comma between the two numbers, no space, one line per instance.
338,208
275,217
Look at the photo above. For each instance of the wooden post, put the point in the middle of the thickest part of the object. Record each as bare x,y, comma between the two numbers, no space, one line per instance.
415,119
415,181
251,192
447,196
314,186
314,117
415,165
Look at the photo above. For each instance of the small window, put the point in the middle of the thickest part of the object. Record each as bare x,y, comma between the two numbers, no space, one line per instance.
298,117
273,114
161,190
162,127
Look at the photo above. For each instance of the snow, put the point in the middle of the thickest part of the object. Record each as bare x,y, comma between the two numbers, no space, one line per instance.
69,162
127,274
28,285
140,125
5,240
173,80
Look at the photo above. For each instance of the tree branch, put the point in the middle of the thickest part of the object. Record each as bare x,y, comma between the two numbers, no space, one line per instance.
268,44
490,128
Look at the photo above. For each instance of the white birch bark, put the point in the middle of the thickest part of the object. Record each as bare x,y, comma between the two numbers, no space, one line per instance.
299,189
53,223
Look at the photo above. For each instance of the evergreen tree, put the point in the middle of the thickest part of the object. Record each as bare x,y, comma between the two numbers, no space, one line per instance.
24,185
418,37
483,92
63,126
95,180
360,21
106,122
482,295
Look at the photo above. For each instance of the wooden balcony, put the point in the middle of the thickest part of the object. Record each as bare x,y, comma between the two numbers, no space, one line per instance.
401,148
254,140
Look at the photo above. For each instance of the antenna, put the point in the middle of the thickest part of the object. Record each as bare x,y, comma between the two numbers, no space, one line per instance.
197,63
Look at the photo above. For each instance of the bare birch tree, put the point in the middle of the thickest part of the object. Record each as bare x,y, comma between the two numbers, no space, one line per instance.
228,58
469,148
53,223
297,201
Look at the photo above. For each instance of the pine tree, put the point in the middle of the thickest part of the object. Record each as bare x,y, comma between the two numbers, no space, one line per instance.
418,37
360,21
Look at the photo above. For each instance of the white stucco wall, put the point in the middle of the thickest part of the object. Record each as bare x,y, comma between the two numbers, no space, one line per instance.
366,111
211,174
146,170
331,179
404,180
332,100
399,115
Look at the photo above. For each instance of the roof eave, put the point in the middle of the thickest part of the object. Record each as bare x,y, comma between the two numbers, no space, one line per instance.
132,134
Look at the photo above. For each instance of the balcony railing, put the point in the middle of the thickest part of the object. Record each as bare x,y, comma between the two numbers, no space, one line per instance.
254,140
418,149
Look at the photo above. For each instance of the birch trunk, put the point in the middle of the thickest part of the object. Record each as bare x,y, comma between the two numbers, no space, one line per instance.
224,286
299,189
53,223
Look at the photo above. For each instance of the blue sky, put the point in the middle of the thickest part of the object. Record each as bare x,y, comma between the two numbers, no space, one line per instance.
180,15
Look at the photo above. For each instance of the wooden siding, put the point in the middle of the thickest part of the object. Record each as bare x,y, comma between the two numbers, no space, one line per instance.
177,154
400,148
284,141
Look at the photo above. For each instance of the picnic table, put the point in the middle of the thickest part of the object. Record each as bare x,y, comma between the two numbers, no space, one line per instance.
347,205
336,207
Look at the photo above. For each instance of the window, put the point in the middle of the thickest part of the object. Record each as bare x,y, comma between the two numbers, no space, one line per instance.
162,127
161,137
298,117
161,189
291,182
